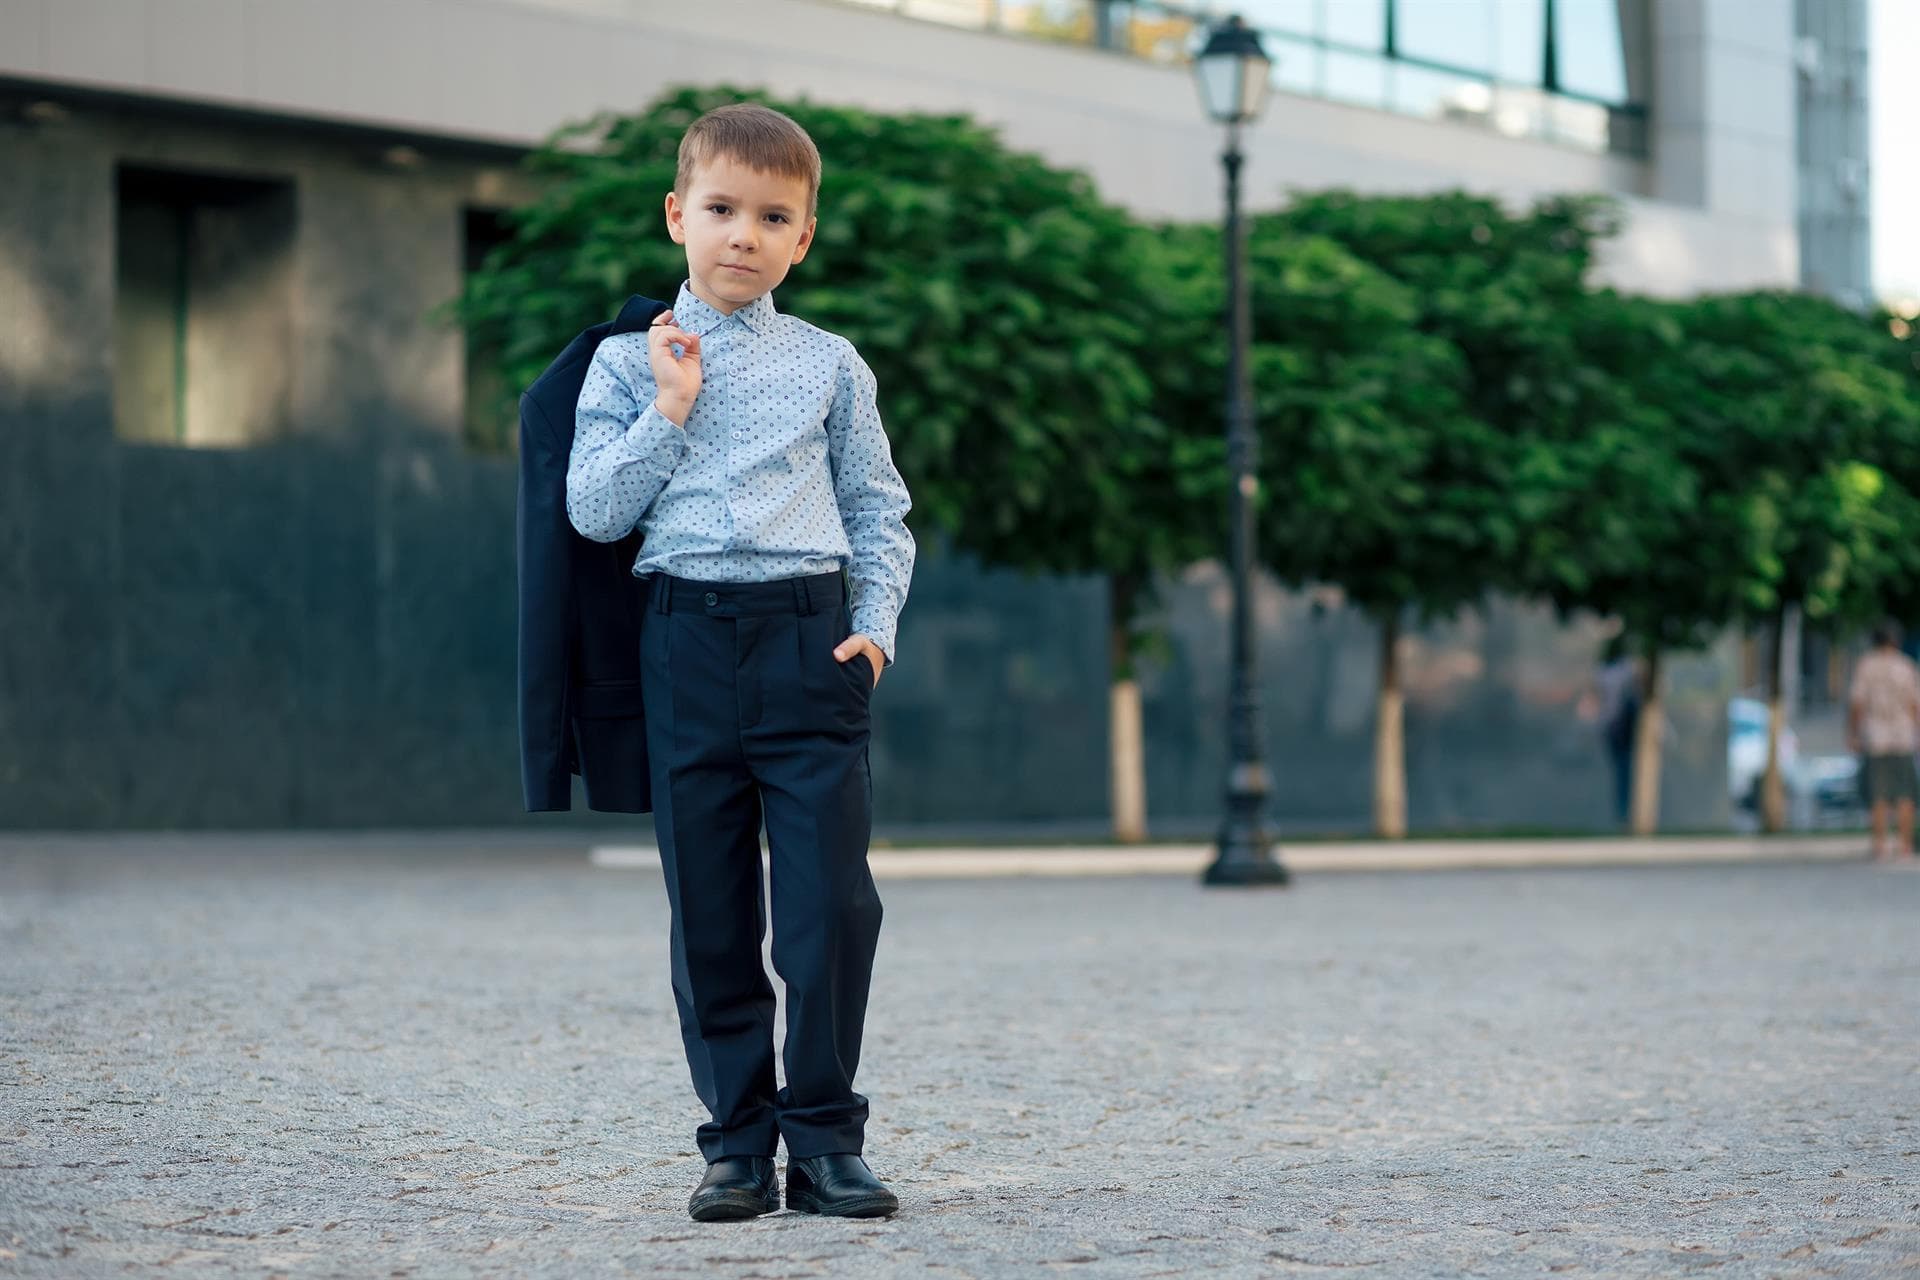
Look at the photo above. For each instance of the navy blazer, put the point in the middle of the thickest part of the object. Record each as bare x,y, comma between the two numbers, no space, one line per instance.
580,611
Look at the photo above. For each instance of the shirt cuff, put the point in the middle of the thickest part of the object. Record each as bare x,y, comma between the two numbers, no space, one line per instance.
654,438
878,626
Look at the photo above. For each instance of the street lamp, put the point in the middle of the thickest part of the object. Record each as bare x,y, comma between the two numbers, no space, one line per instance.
1232,70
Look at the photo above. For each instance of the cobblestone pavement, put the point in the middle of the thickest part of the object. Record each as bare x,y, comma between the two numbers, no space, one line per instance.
411,1059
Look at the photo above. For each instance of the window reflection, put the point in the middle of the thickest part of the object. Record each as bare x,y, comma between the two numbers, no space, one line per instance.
1362,23
1297,16
961,13
1440,95
1589,45
1484,62
1460,33
1296,65
1519,40
1354,77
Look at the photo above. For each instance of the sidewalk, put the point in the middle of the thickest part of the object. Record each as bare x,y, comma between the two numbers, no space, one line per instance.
967,862
393,1057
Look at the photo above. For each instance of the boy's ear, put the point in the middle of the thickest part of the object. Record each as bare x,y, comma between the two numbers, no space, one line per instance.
677,220
806,241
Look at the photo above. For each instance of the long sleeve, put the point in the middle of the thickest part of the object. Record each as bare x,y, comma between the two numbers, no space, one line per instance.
873,502
622,455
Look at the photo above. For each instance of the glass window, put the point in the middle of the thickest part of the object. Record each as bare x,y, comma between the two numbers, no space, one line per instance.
1160,35
1519,40
1519,111
1295,16
1459,33
1477,61
1296,64
203,308
1583,124
1360,23
1354,77
1589,46
959,13
1070,20
1505,38
1441,95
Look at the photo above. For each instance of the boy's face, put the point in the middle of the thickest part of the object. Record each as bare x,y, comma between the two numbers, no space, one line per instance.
743,229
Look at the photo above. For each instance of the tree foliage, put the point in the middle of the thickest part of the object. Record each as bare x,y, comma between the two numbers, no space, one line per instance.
1000,302
1447,405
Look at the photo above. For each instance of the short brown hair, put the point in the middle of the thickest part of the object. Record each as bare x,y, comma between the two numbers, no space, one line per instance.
756,136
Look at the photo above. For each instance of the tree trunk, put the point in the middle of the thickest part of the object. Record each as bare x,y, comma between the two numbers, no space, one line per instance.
1647,741
1773,789
1389,745
1127,755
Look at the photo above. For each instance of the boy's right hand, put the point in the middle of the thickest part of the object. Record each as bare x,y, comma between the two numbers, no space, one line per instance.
677,378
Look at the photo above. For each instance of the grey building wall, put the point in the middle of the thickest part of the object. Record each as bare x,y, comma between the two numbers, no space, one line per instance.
306,628
1713,206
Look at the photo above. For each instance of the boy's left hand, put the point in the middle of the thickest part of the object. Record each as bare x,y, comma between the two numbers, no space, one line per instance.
860,644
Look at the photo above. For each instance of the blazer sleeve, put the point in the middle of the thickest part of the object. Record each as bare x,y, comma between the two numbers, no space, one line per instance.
545,613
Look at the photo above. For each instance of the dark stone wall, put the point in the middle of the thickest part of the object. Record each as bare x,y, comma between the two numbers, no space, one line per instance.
317,630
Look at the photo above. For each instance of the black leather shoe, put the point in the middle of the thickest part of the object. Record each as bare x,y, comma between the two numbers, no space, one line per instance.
840,1186
735,1187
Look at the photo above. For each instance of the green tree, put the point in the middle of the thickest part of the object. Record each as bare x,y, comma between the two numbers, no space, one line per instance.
1816,429
1635,530
998,300
1398,375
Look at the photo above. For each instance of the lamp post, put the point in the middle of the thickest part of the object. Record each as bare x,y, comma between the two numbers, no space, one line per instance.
1232,70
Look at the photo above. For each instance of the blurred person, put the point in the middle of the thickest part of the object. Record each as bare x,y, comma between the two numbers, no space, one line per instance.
1616,694
748,447
1883,727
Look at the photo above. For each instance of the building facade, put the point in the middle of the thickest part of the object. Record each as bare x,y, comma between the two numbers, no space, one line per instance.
258,576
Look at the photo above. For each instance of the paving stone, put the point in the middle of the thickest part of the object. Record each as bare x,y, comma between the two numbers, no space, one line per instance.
393,1058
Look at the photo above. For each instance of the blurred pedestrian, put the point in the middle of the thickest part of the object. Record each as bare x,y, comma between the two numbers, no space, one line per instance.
1617,693
1883,727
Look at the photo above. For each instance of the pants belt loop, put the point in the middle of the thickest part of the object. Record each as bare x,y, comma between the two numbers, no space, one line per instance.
661,589
802,596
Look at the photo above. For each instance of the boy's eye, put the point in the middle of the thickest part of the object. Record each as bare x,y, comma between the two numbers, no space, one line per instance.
777,217
719,209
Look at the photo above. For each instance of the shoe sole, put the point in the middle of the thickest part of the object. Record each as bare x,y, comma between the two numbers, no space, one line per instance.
732,1206
867,1207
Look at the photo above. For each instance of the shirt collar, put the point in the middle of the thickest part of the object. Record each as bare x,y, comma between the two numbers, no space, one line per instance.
699,319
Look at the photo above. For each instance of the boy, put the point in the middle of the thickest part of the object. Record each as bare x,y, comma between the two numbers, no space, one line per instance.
747,446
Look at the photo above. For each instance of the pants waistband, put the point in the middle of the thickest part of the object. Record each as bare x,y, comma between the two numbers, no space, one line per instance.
811,594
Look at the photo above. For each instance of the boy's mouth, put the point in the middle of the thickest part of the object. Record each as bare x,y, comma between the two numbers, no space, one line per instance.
734,266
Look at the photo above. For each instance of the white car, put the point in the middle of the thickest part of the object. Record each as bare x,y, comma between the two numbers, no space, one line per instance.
1822,791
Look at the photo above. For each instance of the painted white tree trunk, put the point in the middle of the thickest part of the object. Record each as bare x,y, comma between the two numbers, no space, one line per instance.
1128,776
1389,742
1773,787
1647,743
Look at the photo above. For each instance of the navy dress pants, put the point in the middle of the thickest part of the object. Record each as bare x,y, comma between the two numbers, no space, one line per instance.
750,718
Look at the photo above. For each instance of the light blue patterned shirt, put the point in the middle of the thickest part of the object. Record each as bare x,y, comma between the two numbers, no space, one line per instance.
783,468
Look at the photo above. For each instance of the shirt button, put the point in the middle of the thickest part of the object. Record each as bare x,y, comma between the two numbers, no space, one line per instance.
713,598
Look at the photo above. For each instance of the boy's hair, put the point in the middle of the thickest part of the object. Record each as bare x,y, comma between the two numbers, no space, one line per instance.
756,136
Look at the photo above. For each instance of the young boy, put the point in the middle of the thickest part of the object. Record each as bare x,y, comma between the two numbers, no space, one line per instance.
747,446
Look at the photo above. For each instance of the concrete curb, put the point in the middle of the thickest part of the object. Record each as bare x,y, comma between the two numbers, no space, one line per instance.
1423,855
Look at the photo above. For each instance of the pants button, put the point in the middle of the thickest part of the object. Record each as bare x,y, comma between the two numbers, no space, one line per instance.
712,599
